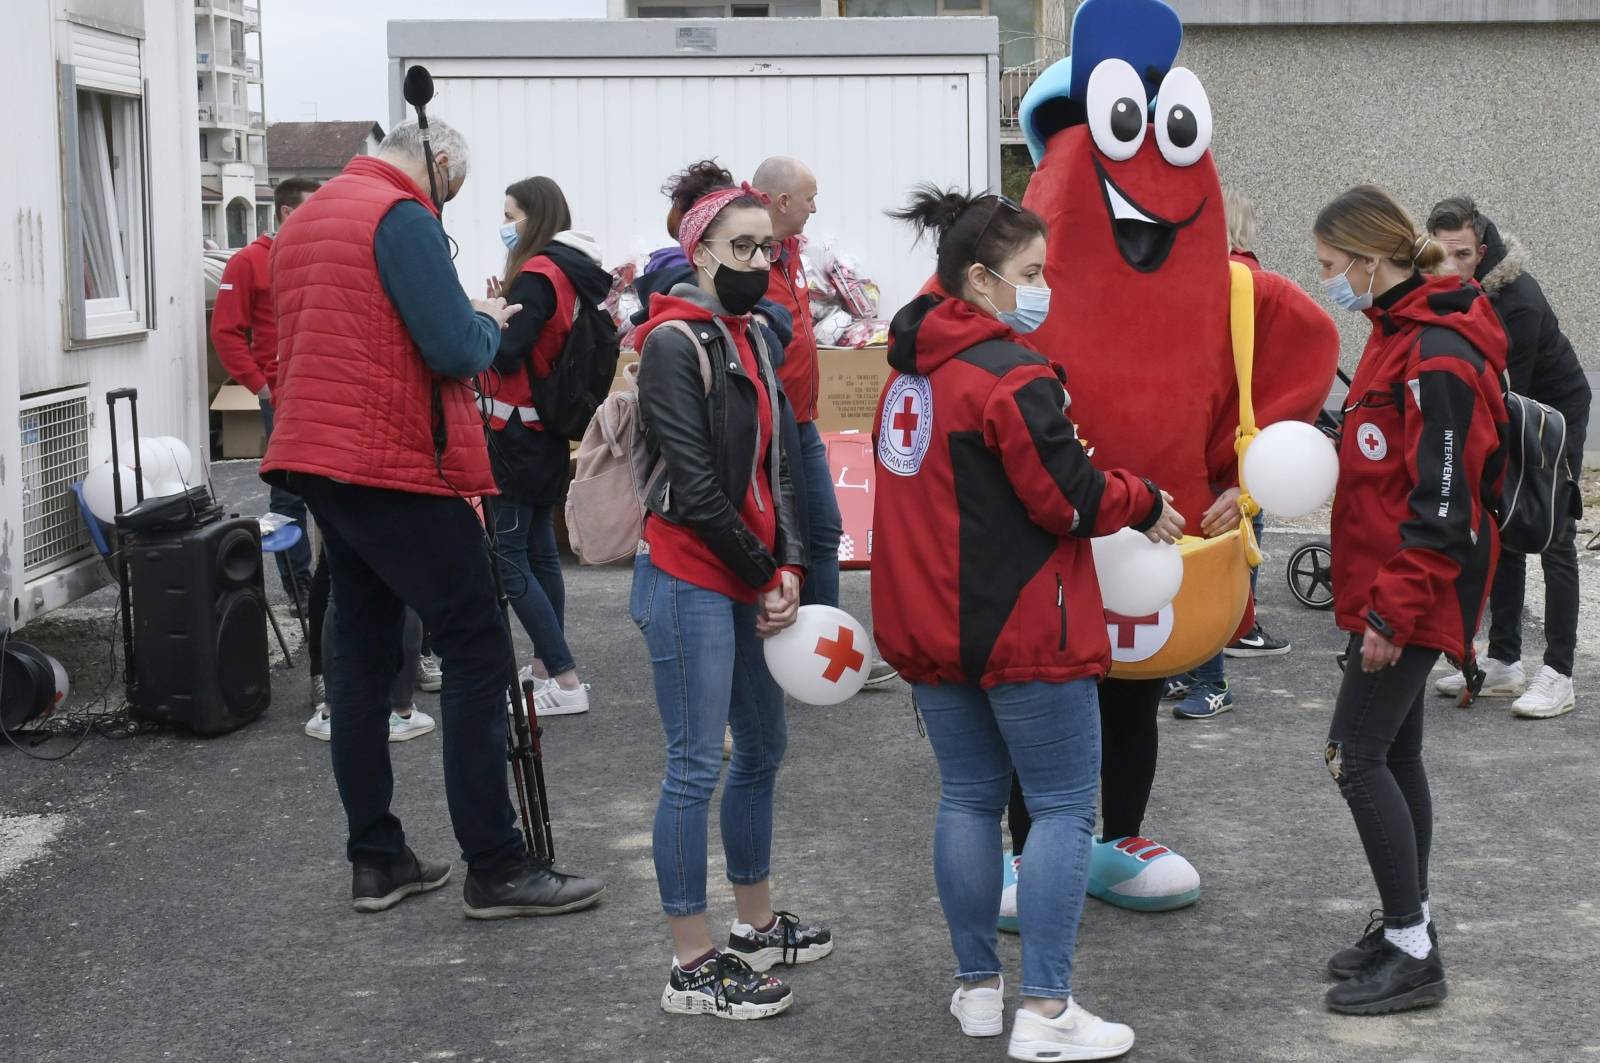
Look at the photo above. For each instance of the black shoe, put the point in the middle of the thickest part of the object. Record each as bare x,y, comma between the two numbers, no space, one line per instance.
377,887
788,942
1392,981
1257,644
724,986
531,887
1347,963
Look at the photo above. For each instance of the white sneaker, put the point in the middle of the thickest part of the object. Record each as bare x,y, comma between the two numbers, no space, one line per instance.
981,1012
1500,680
405,728
1074,1034
320,726
430,677
1549,695
553,701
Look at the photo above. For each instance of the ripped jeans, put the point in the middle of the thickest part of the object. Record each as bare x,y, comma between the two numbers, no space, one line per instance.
1375,754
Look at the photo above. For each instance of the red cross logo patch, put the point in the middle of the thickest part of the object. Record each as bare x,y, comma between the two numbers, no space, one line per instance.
1138,638
1370,438
907,425
841,654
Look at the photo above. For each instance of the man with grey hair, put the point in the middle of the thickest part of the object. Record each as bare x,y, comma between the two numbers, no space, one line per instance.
377,429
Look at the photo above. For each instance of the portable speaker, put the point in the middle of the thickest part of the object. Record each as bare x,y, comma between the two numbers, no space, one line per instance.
199,626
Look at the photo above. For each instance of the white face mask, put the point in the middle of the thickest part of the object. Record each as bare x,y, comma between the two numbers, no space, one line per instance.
1033,306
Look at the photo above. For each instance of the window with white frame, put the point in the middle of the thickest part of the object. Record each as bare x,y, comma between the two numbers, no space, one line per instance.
108,241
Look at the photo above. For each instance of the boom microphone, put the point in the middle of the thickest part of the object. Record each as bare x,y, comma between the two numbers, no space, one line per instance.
418,91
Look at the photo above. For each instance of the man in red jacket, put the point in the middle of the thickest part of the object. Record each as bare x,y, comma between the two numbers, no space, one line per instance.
244,330
378,430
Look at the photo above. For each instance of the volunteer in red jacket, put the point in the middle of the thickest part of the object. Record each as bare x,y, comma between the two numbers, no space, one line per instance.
549,267
378,432
1414,549
984,596
719,570
244,330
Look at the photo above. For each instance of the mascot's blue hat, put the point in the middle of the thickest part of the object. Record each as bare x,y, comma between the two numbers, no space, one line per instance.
1144,33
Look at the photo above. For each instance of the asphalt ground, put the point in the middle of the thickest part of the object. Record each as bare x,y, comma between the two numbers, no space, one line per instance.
171,898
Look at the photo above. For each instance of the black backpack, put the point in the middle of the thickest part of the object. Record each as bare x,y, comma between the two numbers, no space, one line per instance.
581,379
1538,493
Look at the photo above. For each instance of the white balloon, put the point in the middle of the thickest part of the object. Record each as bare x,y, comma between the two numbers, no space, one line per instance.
1137,577
1291,469
156,460
822,658
181,456
99,493
173,487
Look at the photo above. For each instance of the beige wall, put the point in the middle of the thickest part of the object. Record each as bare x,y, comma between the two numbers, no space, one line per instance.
1505,113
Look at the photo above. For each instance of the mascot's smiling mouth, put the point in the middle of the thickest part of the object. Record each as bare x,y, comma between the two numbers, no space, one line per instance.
1144,239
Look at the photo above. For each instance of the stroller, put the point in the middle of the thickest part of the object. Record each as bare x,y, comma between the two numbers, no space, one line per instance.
1310,571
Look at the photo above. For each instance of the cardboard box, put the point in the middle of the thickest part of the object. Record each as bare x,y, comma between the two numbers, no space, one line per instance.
244,434
850,385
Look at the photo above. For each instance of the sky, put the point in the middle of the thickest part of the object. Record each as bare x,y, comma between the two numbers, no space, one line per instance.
328,59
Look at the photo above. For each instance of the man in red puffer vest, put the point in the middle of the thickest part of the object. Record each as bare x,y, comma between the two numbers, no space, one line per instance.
377,430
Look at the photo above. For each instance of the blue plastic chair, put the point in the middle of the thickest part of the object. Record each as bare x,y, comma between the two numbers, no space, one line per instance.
287,538
97,530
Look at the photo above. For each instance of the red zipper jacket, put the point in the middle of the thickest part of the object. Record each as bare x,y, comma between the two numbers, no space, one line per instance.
788,288
1414,544
244,325
982,571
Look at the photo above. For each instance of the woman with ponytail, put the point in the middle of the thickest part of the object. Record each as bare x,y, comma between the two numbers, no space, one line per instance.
718,571
984,596
1414,549
549,267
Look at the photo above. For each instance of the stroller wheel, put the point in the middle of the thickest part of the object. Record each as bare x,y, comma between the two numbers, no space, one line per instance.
1311,576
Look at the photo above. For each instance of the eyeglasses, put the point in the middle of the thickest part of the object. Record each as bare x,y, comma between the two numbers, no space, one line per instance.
744,248
999,201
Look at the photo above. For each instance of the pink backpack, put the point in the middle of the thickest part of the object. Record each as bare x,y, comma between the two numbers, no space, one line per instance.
606,500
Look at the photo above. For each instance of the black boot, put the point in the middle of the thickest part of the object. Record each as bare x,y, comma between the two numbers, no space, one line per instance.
531,887
1392,981
378,886
1347,963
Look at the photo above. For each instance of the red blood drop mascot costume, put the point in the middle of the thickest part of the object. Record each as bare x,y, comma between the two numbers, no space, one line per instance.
1138,264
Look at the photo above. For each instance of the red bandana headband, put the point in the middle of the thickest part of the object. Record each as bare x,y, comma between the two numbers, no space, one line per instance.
698,218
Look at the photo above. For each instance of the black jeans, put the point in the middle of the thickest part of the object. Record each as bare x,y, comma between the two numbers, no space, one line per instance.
1375,754
1560,564
1129,743
388,550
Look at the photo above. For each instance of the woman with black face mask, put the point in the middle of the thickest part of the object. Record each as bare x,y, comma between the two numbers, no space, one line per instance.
718,570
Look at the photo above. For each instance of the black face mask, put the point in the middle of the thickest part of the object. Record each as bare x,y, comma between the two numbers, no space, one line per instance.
739,290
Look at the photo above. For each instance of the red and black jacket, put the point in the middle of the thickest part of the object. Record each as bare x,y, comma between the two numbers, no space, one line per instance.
985,500
1414,539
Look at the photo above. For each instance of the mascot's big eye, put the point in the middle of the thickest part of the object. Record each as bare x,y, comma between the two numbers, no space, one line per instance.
1183,118
1117,107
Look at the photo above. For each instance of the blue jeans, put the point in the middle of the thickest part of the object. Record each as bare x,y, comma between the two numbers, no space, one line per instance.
824,526
1050,734
388,550
710,673
530,567
298,558
402,692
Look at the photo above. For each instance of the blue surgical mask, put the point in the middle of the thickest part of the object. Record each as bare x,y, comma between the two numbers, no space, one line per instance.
1343,294
1033,306
509,235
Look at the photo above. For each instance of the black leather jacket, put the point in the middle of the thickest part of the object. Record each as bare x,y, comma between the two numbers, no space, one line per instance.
702,444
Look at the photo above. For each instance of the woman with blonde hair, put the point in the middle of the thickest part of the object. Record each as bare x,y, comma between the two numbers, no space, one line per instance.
1414,549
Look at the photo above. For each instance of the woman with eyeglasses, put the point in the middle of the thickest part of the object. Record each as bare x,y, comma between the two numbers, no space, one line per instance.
1414,550
984,596
718,570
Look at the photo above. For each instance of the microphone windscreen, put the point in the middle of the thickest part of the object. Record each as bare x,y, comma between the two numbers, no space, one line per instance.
418,89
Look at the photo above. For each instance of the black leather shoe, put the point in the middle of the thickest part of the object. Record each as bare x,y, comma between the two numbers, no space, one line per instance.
377,887
1393,981
1347,963
531,887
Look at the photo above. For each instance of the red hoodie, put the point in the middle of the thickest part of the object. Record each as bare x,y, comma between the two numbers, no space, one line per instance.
982,571
244,324
1414,544
675,548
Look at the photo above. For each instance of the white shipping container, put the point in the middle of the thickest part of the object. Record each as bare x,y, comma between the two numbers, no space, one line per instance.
610,109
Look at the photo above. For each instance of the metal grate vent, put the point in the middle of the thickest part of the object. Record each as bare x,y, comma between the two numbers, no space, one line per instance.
55,455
